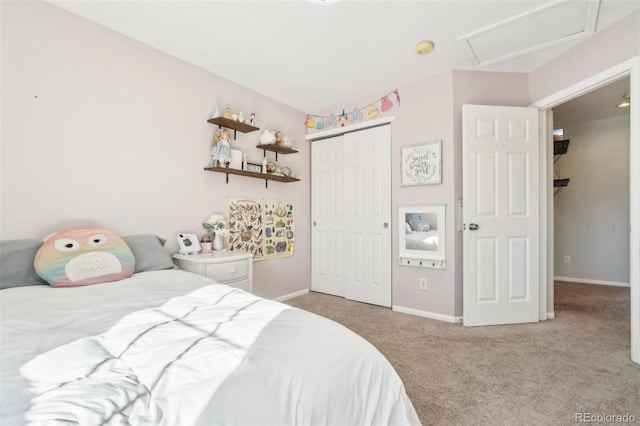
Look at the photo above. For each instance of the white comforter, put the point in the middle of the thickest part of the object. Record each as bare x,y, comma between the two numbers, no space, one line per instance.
174,348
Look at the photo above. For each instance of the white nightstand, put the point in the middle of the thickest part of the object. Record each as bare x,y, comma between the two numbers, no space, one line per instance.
227,267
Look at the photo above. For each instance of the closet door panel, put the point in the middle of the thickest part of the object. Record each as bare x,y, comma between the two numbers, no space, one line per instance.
351,201
327,211
368,216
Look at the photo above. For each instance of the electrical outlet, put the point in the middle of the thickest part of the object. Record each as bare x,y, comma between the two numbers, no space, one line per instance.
422,283
566,259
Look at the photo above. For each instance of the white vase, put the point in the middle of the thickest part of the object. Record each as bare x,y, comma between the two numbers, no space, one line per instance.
218,242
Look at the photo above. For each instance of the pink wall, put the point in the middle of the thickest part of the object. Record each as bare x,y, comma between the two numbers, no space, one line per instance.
98,128
425,114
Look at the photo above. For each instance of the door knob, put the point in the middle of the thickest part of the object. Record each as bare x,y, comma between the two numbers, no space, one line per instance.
386,225
473,227
315,223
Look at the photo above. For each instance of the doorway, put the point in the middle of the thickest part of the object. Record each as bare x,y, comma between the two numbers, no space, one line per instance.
591,213
629,68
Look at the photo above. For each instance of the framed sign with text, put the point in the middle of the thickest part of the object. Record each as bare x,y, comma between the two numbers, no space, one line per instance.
422,163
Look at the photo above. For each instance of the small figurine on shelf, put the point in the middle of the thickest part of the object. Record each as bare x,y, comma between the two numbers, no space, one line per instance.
287,141
216,113
267,137
221,148
271,167
281,171
252,119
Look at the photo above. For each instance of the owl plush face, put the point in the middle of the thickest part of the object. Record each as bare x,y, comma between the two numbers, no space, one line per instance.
83,256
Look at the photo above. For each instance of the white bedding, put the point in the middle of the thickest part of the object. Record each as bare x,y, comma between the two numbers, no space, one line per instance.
422,240
173,348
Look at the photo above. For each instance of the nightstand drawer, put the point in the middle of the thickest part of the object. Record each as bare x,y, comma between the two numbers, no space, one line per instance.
227,272
226,267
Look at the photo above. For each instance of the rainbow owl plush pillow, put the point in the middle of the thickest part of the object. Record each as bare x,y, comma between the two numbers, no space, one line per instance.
83,256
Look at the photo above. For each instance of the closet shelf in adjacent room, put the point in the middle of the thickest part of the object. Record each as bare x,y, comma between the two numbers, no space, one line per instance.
559,148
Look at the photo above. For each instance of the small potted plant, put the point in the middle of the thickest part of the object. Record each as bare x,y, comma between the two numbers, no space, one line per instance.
216,225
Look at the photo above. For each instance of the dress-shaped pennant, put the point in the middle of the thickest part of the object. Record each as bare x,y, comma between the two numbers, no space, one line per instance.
386,104
311,122
373,111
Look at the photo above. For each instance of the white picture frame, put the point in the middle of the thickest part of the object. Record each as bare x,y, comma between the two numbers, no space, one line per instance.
422,236
254,167
421,163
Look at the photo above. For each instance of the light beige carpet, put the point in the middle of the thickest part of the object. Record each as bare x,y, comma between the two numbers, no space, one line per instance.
528,374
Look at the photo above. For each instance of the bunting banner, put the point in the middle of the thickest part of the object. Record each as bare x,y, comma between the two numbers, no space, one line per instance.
344,118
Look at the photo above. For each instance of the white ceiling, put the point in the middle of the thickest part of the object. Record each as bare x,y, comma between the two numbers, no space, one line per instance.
598,104
313,55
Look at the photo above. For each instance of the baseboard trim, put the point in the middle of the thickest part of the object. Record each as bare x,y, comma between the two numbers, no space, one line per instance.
551,315
292,295
426,314
597,282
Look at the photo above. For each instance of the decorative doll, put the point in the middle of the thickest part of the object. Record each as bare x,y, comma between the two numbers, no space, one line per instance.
221,148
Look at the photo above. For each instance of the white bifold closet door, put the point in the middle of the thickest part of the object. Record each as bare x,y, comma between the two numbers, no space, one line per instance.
351,215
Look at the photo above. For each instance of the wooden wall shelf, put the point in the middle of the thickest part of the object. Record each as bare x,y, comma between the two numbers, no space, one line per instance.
277,148
266,176
234,125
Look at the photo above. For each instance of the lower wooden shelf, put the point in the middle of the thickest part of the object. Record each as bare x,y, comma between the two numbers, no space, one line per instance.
266,176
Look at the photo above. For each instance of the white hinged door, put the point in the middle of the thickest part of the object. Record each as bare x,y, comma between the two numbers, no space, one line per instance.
501,215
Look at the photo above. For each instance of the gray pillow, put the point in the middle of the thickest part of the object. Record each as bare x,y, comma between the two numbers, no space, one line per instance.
16,263
419,222
149,253
16,259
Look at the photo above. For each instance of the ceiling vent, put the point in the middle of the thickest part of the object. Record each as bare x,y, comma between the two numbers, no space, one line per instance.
552,24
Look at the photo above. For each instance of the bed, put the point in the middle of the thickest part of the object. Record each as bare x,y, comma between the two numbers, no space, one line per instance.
168,347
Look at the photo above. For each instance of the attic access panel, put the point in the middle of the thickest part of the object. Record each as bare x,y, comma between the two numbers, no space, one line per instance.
537,29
